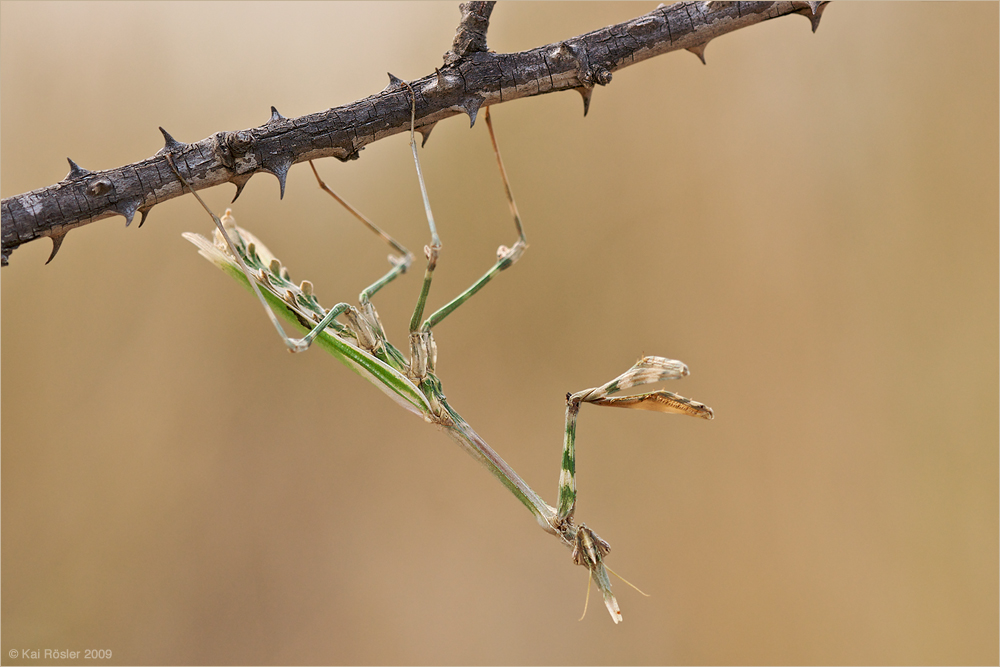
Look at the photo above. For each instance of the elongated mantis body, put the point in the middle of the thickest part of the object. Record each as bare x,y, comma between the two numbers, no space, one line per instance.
360,342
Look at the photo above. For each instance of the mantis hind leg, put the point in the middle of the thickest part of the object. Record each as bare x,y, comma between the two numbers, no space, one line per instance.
506,257
400,262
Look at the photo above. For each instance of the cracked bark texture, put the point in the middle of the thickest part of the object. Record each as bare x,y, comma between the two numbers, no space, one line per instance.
470,78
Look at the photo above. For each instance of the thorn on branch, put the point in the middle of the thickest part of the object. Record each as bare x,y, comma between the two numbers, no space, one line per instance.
699,51
57,240
127,208
75,171
395,83
814,13
279,166
169,143
239,181
471,107
586,94
275,116
425,132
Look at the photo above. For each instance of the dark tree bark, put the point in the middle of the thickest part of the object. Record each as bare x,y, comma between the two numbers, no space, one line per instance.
471,77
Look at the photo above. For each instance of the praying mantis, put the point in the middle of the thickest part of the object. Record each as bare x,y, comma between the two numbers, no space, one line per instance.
360,342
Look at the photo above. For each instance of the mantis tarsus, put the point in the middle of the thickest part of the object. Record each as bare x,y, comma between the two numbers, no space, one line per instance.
361,344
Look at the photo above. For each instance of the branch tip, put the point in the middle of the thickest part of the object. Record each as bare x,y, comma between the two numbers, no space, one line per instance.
470,36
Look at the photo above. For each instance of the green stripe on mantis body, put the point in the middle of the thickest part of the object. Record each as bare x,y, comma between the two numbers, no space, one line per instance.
377,371
567,473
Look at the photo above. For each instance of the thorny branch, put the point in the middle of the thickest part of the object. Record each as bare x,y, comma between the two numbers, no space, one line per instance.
471,77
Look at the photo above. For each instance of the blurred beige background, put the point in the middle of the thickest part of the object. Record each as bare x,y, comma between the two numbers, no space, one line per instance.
810,222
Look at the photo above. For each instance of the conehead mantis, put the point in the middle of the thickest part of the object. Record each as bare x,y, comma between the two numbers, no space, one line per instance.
360,342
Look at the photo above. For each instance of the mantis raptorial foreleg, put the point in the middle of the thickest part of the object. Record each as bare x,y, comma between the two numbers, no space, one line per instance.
646,371
589,550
